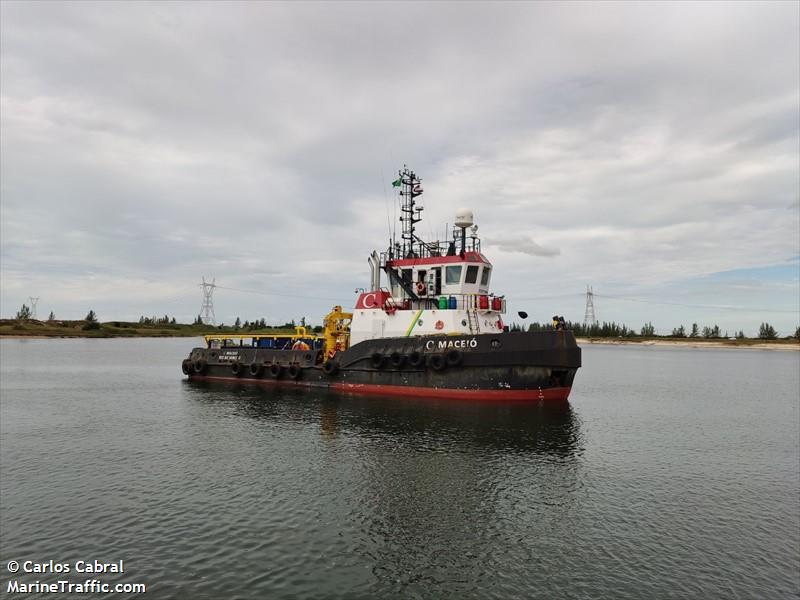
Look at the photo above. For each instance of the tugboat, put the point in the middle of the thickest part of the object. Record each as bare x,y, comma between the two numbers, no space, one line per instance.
434,330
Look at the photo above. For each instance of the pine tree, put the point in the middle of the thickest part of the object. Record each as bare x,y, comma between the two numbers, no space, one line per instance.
24,313
767,332
695,331
91,321
52,317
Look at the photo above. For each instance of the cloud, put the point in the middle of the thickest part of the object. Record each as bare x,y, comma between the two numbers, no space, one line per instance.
522,244
650,144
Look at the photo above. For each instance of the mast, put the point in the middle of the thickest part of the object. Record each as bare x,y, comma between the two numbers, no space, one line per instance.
410,188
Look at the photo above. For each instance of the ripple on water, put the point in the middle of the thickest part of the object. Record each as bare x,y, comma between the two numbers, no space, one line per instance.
672,474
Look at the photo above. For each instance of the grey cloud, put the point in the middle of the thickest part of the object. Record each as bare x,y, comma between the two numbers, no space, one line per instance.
522,244
160,142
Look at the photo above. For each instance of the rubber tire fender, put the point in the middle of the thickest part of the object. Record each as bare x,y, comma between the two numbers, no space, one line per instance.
294,370
437,362
256,368
454,358
275,370
377,360
416,358
331,367
186,366
397,359
199,366
237,368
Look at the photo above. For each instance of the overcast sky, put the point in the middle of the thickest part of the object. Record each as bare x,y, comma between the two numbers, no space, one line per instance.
649,150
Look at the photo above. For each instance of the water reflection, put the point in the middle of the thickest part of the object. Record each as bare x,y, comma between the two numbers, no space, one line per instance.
433,494
434,425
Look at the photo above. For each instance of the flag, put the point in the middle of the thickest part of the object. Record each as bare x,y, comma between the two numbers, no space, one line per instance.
397,182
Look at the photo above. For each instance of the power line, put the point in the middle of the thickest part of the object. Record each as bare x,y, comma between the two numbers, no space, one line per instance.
662,302
262,293
706,306
553,297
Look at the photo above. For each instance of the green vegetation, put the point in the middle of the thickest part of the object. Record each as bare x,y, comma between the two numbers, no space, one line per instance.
648,332
91,322
90,326
24,313
767,332
167,326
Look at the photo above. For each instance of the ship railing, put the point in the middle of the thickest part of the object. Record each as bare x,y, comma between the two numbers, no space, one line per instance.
274,340
432,250
478,302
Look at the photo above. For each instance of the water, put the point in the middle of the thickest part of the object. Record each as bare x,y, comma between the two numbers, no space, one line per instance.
673,473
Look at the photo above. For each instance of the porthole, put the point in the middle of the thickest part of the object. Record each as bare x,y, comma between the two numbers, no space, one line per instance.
495,343
464,322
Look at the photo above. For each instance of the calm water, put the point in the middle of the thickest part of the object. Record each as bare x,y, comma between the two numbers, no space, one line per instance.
673,473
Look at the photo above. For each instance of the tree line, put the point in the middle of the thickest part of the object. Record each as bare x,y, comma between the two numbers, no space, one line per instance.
602,330
612,329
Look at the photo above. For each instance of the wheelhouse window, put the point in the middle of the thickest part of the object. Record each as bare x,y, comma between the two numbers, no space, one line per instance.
452,275
485,276
472,274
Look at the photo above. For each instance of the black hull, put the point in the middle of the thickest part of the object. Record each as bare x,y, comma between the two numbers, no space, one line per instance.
533,366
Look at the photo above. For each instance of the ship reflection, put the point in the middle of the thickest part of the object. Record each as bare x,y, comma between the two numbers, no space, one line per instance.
428,488
435,425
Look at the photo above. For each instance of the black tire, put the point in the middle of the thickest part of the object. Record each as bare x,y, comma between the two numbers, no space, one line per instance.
236,368
331,367
308,357
377,360
454,358
186,366
397,359
437,362
199,366
256,368
416,359
294,371
275,370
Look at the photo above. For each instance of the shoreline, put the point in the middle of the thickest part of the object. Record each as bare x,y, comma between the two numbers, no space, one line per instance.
694,343
790,345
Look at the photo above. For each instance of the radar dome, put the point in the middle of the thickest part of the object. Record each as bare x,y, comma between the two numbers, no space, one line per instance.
464,217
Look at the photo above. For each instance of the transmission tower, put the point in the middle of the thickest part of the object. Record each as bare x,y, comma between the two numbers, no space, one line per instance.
207,309
588,317
34,301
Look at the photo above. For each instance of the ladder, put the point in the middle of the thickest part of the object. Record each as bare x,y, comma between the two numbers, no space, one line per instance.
472,319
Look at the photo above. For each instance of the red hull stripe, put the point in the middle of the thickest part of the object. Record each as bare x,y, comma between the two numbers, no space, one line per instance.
435,260
560,394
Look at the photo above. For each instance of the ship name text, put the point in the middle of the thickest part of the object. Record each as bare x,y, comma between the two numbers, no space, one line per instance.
451,344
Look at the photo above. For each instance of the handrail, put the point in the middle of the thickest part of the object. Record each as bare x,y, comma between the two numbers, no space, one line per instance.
463,302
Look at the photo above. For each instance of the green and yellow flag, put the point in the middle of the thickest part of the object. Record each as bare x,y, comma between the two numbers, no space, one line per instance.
397,182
